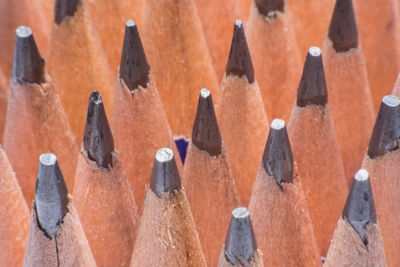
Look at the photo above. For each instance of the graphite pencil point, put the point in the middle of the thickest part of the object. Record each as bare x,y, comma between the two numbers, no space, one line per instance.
50,194
239,61
312,87
134,68
64,8
98,140
28,66
278,158
343,28
205,133
266,6
165,176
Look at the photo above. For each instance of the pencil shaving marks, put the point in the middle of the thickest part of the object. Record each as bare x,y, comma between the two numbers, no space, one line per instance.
270,7
50,195
165,176
205,134
28,65
277,159
312,86
387,128
239,61
359,209
134,68
64,8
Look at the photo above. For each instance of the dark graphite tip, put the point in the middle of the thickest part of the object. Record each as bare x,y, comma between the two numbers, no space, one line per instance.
278,158
387,128
164,176
359,209
312,86
205,133
28,65
64,8
343,28
239,61
50,194
97,139
266,6
240,243
134,68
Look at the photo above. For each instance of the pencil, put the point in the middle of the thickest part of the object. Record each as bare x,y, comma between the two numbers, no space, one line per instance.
239,99
278,207
167,235
357,240
77,62
36,122
14,216
56,236
103,199
207,186
180,60
319,164
381,161
349,92
272,44
139,122
240,248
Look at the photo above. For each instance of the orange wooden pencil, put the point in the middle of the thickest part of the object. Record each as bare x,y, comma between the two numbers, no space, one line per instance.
241,115
357,240
381,162
102,195
347,81
139,122
56,236
207,186
279,211
240,248
167,234
180,60
36,122
14,216
77,62
316,150
276,60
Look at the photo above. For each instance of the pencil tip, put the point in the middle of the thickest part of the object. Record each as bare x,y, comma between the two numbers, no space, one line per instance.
387,127
278,158
97,139
50,194
64,8
312,86
134,68
266,6
240,243
28,65
343,28
359,209
239,61
164,176
205,133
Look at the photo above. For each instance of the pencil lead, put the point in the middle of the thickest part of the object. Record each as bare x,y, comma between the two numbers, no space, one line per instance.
312,86
97,139
164,176
50,194
205,133
267,6
359,209
28,65
278,158
387,127
239,61
134,68
64,8
240,243
343,28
